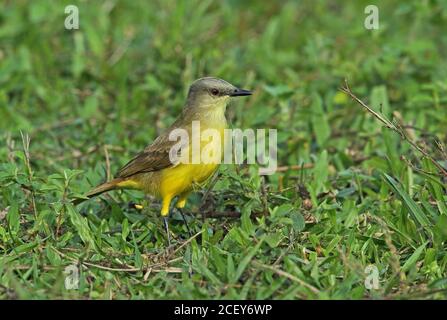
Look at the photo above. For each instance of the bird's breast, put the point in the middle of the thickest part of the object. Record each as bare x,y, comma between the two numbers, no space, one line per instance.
197,168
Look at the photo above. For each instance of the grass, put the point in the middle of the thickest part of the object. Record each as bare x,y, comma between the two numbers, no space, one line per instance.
350,193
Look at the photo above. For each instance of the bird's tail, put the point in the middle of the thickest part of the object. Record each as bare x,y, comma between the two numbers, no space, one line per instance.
104,187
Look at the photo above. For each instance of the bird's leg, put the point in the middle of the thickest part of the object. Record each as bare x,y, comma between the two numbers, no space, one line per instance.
190,235
165,208
181,202
165,220
184,220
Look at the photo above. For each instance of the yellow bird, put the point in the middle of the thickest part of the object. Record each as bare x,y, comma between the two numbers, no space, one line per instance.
153,170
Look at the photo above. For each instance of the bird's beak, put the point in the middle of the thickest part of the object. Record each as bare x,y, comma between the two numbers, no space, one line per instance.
240,92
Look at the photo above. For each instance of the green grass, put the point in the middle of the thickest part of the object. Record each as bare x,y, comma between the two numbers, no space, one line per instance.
363,197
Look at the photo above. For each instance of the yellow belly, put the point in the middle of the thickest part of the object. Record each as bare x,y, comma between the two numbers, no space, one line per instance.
184,177
179,180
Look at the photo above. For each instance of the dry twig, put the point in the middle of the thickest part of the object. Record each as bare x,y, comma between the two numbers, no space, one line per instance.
395,127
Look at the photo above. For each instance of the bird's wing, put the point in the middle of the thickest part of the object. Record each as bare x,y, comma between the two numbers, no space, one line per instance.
153,158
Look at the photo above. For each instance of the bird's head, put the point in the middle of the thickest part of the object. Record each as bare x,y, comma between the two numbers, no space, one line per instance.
212,92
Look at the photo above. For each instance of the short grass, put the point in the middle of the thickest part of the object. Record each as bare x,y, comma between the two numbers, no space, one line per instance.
76,105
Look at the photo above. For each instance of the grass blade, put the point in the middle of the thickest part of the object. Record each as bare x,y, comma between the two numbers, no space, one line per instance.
412,206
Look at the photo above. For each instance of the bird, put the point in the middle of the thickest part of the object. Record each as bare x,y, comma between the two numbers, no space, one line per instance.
153,170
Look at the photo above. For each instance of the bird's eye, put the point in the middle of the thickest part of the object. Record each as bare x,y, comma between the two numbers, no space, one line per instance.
214,92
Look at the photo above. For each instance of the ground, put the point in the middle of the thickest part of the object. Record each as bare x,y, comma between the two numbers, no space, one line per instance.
353,211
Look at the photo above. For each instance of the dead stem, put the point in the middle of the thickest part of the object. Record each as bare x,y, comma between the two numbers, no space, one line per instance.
393,126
